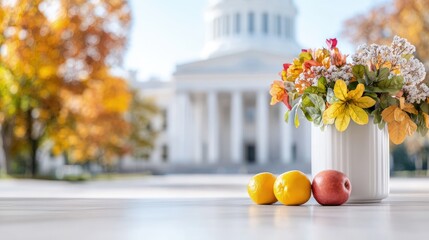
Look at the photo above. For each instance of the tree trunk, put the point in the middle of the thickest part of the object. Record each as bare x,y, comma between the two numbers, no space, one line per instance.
33,142
3,166
6,140
34,164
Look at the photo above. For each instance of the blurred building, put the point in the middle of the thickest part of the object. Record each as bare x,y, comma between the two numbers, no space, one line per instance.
217,109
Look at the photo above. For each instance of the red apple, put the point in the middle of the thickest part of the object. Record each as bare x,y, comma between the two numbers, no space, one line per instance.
331,187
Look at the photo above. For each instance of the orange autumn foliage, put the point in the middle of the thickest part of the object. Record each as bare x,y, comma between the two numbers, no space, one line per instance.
399,17
56,82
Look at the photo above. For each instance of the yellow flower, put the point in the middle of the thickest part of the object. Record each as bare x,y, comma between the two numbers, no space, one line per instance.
294,70
350,105
323,56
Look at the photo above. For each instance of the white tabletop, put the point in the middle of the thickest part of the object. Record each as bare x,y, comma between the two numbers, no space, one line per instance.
198,207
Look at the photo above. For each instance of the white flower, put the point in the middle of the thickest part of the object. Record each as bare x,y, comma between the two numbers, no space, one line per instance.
333,73
398,54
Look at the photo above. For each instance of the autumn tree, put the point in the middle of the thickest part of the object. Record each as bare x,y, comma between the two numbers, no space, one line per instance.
405,18
55,76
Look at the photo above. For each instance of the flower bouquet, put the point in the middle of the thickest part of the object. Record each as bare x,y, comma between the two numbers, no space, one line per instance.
385,82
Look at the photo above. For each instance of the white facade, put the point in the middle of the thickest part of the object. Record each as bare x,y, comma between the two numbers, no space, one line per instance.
217,108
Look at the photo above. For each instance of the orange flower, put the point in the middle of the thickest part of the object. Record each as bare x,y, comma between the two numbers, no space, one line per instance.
338,59
279,94
310,63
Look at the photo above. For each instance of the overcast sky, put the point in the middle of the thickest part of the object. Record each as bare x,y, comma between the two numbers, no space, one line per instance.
166,32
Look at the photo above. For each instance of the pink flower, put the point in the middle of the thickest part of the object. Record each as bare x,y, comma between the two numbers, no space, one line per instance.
286,66
332,43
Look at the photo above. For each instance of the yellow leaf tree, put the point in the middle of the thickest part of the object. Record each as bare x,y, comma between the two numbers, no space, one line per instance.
55,81
405,18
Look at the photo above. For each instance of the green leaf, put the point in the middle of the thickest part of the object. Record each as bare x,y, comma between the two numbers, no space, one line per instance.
286,116
371,94
311,89
370,76
321,84
421,124
392,85
296,121
317,101
387,100
330,96
374,89
424,107
377,115
306,101
316,115
358,71
383,74
306,114
353,85
296,98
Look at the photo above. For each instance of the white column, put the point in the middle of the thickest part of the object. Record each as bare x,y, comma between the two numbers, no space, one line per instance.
188,128
262,130
213,127
173,129
181,126
184,129
236,127
198,120
286,137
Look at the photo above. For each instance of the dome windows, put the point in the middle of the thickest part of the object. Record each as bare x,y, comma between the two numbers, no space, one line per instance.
265,23
288,27
226,25
279,25
237,23
252,23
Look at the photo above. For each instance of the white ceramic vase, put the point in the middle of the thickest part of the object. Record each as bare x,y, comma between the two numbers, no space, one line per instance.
361,152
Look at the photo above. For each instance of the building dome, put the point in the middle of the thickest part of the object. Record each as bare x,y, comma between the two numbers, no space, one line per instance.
234,26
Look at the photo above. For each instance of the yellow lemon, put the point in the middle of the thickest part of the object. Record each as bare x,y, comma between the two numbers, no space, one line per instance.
292,188
260,188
